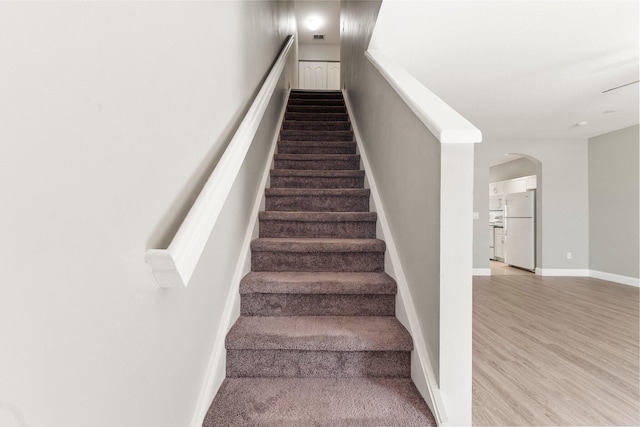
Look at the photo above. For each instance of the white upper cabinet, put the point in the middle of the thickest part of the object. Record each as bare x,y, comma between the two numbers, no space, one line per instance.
497,188
516,185
532,182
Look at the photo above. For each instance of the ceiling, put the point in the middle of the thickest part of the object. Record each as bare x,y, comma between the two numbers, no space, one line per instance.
505,159
521,69
514,68
327,13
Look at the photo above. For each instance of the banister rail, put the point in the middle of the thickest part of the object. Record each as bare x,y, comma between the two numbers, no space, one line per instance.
174,266
444,122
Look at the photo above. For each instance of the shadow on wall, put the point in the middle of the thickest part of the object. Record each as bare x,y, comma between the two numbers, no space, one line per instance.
517,165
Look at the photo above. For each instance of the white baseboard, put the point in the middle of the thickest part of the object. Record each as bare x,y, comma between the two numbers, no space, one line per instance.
616,278
421,368
216,368
576,272
481,272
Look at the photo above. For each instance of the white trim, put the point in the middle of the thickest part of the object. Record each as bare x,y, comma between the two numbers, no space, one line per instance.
216,368
562,272
616,278
444,122
174,266
481,272
611,277
421,364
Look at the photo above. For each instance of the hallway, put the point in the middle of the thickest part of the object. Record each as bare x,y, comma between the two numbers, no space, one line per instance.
554,351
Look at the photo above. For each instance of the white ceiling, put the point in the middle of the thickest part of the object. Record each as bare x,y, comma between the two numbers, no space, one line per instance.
521,69
505,159
326,12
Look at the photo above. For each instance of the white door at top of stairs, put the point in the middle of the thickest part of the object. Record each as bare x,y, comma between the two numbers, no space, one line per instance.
319,75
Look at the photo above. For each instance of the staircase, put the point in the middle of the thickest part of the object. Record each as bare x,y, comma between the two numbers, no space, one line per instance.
317,342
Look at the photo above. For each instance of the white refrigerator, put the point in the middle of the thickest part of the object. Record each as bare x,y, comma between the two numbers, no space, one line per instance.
519,230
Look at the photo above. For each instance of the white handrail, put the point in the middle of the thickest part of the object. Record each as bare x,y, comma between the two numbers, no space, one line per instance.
444,122
174,266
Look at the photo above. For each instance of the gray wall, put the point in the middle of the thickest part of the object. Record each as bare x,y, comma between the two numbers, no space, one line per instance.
513,169
405,161
613,202
319,52
562,200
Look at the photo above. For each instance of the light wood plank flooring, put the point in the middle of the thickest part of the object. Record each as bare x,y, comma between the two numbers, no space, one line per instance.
501,269
554,351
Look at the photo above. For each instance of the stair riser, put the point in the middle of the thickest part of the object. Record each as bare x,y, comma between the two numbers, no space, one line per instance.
343,230
301,135
337,164
315,95
317,261
309,109
317,305
319,126
316,102
317,204
309,148
316,182
296,363
323,117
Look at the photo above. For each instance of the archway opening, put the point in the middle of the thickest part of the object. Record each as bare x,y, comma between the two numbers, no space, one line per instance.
515,214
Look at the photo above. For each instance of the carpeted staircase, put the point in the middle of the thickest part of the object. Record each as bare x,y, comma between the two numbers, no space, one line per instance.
317,342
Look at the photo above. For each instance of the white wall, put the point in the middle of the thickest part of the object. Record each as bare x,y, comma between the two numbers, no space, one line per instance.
562,200
613,203
111,117
319,52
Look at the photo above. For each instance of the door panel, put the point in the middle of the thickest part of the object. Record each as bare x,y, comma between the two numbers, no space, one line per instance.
312,75
333,76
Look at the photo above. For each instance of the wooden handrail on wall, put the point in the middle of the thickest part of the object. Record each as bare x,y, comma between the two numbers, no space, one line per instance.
174,266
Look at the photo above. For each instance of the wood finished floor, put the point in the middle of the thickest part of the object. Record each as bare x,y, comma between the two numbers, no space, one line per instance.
554,351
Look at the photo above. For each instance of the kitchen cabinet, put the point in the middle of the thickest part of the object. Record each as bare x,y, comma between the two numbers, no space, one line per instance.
492,246
496,203
497,188
532,182
498,243
517,185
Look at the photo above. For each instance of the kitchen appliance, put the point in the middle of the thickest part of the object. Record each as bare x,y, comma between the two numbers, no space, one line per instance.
519,230
492,244
496,218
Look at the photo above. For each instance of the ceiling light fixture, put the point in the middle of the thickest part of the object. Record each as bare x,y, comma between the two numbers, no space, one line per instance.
581,124
313,24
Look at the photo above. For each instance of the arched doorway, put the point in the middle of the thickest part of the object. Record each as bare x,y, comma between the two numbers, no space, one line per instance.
515,237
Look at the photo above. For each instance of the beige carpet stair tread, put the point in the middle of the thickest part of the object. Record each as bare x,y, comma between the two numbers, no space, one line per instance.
327,402
317,283
321,333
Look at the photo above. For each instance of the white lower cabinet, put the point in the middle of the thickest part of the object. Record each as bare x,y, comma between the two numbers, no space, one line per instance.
499,243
